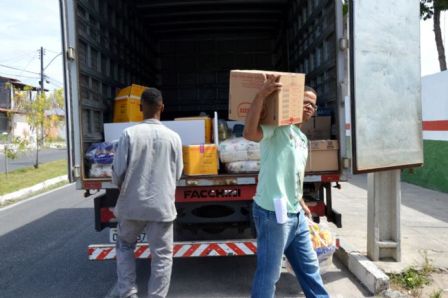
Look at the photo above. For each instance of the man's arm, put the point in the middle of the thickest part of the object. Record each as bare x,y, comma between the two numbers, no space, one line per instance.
305,208
120,163
252,128
179,159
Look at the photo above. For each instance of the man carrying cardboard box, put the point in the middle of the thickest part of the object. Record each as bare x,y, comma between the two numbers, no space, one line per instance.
281,226
146,166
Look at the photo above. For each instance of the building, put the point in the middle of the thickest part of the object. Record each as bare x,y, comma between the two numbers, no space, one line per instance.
434,173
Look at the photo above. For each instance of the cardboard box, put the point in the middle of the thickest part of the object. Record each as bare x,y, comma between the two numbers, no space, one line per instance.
207,125
317,128
127,104
191,132
323,156
281,108
200,159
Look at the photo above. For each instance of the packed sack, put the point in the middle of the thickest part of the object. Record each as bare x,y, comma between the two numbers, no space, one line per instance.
238,149
247,166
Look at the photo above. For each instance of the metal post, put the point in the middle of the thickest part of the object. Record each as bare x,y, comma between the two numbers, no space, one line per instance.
383,216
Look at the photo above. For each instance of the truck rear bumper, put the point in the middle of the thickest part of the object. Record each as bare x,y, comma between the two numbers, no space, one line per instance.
246,247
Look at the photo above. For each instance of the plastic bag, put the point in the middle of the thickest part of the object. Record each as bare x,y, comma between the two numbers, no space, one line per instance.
322,240
100,170
238,149
243,166
101,153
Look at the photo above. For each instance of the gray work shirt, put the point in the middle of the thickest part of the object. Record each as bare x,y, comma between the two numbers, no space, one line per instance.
146,166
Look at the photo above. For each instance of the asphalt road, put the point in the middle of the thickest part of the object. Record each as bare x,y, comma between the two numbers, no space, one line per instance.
43,248
26,159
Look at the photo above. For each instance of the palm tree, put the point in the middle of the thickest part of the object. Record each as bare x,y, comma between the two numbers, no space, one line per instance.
432,9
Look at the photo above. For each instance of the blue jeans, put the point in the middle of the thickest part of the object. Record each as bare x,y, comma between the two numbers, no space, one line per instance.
292,239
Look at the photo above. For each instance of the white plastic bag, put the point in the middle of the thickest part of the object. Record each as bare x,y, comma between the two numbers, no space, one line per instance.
323,242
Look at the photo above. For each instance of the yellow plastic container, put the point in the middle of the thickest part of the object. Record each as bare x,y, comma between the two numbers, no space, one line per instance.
200,159
127,104
208,126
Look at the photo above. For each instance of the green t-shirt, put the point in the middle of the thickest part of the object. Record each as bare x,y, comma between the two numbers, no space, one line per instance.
284,151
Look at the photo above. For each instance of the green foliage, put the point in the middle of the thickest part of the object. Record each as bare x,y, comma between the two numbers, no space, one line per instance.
427,7
436,294
16,145
411,279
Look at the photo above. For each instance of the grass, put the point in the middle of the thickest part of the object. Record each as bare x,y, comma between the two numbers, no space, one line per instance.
51,187
26,177
413,280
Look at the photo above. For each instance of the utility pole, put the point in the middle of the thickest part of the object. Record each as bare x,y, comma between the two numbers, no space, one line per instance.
42,93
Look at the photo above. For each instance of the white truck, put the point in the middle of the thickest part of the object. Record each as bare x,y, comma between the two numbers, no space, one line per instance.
367,77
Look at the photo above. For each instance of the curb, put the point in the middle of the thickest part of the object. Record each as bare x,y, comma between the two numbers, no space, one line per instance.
32,189
375,280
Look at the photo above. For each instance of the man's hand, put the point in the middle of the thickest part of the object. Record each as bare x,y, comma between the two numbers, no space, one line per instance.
252,129
270,86
305,208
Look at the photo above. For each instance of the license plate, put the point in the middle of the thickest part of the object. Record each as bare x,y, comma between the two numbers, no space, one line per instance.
113,236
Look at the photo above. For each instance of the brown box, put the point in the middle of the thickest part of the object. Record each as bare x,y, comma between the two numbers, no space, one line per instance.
323,156
317,128
281,108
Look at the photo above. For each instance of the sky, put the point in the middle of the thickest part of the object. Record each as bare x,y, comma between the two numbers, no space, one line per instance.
26,25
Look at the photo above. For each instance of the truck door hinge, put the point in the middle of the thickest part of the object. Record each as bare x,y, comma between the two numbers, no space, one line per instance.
76,172
71,54
343,44
346,163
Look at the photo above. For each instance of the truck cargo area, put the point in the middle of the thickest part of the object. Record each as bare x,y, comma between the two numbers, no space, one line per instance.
187,49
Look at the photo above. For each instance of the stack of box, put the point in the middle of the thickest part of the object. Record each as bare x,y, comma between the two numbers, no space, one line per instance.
127,104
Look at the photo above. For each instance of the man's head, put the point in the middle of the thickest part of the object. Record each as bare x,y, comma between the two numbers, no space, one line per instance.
151,103
309,103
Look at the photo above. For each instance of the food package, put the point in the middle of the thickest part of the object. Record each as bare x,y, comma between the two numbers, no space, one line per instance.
100,170
100,157
238,149
101,153
322,240
246,166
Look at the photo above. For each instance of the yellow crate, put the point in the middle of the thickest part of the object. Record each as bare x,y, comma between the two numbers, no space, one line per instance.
208,126
200,159
127,104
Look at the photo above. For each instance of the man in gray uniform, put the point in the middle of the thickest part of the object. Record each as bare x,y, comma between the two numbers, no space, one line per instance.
147,164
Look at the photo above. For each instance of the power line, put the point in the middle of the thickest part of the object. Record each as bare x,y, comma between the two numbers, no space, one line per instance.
15,75
31,60
19,69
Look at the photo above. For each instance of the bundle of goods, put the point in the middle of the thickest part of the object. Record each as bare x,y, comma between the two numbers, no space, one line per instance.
100,157
240,155
323,242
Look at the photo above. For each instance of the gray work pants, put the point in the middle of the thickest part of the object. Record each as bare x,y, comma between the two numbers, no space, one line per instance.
160,240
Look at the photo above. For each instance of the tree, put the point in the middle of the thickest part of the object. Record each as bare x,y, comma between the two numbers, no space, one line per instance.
41,119
432,9
35,114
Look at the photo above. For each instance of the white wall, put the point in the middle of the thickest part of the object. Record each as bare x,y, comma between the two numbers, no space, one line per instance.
435,106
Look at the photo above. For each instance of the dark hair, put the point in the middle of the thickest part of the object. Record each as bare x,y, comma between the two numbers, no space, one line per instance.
308,88
152,96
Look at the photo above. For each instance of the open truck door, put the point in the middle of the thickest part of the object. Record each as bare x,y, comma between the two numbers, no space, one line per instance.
385,85
71,89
